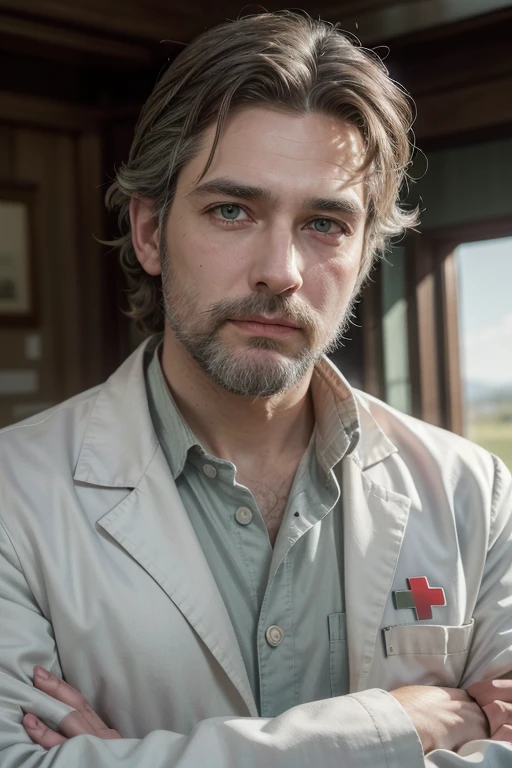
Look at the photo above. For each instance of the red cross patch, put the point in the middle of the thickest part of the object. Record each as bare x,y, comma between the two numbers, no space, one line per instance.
420,596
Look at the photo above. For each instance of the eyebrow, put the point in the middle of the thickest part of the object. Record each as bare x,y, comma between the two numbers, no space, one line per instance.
232,188
224,186
346,204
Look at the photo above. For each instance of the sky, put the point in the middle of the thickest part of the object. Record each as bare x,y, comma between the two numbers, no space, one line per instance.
484,272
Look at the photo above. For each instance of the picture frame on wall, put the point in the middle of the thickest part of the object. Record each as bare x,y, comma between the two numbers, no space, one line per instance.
17,258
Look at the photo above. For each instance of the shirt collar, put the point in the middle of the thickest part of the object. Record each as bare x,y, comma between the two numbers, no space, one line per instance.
336,415
172,430
337,424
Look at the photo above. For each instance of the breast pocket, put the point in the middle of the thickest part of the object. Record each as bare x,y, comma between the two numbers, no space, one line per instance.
432,654
338,654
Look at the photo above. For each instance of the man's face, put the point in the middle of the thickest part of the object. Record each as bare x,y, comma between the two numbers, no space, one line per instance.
260,257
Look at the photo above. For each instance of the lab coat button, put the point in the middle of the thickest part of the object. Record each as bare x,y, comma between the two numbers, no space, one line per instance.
209,471
243,515
274,635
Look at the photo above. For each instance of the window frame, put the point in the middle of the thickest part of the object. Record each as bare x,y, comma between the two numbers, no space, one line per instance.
434,355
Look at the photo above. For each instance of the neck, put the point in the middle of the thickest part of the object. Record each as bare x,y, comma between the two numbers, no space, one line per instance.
235,427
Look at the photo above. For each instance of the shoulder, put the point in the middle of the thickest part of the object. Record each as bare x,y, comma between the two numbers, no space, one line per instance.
407,431
434,458
48,438
55,436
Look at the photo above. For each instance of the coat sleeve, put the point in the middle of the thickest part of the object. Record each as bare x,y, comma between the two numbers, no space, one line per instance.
491,649
363,730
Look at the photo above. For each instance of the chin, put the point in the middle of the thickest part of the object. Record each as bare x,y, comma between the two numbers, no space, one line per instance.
271,352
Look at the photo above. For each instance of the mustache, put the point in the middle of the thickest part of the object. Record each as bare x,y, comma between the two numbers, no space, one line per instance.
263,304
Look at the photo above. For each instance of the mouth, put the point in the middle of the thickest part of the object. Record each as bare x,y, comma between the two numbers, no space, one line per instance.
266,320
271,327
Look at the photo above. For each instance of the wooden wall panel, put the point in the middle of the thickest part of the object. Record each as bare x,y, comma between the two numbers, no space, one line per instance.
65,168
11,341
36,164
92,256
64,237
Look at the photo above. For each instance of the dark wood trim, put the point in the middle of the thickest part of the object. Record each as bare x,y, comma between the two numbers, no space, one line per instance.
422,315
373,345
20,29
91,275
20,108
473,107
132,20
465,138
451,384
468,232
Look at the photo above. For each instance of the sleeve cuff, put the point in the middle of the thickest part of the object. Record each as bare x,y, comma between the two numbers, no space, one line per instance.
399,738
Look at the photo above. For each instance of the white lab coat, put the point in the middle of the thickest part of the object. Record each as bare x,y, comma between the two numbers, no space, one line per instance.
102,580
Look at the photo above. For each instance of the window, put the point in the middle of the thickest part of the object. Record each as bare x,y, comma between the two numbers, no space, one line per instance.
484,299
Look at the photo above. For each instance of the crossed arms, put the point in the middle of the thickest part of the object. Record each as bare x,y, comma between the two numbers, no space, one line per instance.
368,729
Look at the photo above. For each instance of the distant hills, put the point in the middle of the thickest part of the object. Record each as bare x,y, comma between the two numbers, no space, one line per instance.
476,392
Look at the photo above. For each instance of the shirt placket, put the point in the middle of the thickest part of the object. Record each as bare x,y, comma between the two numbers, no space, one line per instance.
275,644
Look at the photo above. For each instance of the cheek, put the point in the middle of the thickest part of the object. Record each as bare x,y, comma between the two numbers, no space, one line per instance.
329,285
214,266
196,260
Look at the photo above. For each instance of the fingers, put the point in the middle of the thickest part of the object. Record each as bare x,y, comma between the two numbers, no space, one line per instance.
84,719
76,724
503,734
40,733
499,715
491,690
59,689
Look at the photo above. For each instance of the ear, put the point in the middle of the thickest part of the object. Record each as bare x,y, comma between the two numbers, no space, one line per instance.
145,234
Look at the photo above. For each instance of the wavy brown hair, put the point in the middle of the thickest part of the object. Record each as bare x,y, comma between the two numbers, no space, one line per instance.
285,60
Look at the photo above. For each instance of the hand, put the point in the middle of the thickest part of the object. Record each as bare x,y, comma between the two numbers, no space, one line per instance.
495,698
445,718
83,720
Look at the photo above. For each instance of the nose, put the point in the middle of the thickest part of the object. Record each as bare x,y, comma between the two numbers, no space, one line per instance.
277,264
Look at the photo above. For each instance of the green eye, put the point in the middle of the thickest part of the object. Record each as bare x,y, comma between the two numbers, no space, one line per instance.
322,225
229,211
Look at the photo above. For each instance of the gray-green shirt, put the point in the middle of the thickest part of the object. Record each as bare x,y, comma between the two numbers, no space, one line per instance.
286,603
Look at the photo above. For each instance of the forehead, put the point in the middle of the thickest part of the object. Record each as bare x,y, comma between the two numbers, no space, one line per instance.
282,151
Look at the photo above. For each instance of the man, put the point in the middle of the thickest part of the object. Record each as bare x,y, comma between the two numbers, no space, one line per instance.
231,557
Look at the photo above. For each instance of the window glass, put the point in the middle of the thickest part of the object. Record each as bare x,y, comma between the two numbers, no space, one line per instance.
484,278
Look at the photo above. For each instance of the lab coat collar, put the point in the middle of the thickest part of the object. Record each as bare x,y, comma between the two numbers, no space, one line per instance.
120,440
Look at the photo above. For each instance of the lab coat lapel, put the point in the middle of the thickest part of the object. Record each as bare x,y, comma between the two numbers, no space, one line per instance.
152,525
374,525
121,450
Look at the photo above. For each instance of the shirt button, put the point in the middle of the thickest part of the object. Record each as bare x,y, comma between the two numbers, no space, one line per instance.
274,635
209,471
243,515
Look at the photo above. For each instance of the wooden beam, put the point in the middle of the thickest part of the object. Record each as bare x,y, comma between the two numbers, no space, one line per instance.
41,32
137,19
28,110
471,108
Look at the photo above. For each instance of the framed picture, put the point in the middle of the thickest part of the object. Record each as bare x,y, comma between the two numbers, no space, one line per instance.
17,262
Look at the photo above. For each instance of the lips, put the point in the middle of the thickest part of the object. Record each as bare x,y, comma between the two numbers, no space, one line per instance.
265,327
265,320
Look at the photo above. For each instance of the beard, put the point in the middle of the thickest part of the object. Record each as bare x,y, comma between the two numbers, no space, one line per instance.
240,371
